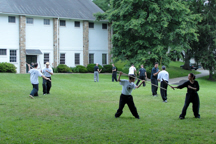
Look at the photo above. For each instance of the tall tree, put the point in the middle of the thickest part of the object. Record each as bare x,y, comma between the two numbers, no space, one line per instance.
144,30
103,4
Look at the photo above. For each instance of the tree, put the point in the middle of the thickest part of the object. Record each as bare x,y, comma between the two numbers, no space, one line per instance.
206,47
144,30
103,4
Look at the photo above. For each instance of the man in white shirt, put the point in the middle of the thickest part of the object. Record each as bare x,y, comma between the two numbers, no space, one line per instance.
126,97
34,74
163,77
47,71
132,70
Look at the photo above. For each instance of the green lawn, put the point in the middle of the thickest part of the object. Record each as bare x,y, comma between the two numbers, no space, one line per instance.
174,69
82,111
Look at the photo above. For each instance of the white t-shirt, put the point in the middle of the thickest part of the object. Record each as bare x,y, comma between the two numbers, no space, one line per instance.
127,87
131,70
163,75
46,74
34,74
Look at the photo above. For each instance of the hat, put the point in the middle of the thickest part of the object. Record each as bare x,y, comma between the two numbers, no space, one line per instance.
163,67
47,63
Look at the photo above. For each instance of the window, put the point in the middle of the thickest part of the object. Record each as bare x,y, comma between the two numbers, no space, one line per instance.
12,55
91,58
104,59
77,58
46,22
91,25
77,24
104,26
46,57
62,23
62,58
3,52
29,20
12,19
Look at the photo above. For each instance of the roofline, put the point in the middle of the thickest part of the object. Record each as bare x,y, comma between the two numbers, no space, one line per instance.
6,13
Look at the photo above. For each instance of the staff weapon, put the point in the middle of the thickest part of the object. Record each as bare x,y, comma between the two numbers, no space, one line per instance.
29,64
145,81
168,84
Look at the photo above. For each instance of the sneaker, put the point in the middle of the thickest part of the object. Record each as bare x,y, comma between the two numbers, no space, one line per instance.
165,101
48,93
180,117
197,117
31,96
155,95
137,117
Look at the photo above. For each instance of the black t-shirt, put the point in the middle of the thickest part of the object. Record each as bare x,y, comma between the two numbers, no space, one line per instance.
187,83
113,69
96,68
142,71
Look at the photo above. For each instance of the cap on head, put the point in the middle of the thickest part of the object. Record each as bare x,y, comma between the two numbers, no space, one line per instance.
163,67
47,63
156,63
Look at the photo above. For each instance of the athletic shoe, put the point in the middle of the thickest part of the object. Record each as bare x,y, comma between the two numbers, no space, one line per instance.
180,117
165,101
31,96
197,117
137,117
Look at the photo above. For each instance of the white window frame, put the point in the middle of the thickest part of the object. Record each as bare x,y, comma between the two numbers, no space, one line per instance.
46,22
5,52
11,17
75,24
29,19
12,56
91,27
60,23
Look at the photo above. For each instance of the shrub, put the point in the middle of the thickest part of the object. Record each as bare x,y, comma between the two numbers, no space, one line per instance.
75,69
90,68
82,69
55,70
107,68
63,68
7,67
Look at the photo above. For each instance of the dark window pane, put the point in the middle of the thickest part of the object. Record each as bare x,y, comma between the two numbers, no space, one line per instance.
77,24
12,55
91,25
29,20
91,58
104,26
46,57
11,19
46,22
104,58
77,58
3,52
62,58
62,23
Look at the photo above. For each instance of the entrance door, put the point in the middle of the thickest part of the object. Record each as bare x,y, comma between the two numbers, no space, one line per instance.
30,59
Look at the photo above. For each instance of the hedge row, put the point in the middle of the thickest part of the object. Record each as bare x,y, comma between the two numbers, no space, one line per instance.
82,69
7,67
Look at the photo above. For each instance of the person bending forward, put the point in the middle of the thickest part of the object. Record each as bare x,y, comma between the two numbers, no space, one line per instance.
126,97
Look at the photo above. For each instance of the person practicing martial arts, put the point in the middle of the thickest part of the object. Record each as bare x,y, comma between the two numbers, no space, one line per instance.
96,72
142,75
34,74
126,97
191,96
163,77
154,80
114,73
47,72
132,70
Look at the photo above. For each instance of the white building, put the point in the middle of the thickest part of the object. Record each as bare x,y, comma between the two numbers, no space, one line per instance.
58,31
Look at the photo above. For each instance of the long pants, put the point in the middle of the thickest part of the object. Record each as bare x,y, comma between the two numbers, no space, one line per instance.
194,98
154,88
126,99
46,85
34,92
162,91
114,76
96,76
142,78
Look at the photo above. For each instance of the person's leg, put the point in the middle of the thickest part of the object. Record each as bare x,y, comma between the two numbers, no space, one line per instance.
196,105
44,86
132,107
143,78
49,84
34,91
165,91
112,77
121,106
115,77
137,82
162,91
156,88
152,87
186,104
95,76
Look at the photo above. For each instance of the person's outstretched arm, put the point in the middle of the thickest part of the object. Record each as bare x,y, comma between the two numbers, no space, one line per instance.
140,84
120,76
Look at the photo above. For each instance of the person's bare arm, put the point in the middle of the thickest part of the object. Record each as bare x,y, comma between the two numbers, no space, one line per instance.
45,78
140,84
49,72
120,76
156,73
29,67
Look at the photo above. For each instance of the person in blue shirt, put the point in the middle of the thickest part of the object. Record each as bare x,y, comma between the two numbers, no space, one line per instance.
142,75
154,80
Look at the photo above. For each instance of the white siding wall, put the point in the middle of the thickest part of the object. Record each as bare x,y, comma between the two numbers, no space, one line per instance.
9,38
71,42
40,36
98,42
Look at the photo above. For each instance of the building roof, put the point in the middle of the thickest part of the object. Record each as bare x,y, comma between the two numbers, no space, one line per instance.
72,9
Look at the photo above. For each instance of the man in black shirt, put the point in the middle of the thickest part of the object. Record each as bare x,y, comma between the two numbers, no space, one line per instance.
114,72
96,73
142,75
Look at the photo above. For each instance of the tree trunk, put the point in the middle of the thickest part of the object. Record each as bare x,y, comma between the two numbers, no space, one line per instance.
187,62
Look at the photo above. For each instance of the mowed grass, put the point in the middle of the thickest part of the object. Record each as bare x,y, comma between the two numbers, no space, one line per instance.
82,111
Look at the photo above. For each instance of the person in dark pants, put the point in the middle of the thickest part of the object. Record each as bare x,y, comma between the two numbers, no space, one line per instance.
96,72
47,71
163,77
142,75
126,97
191,96
154,80
34,74
114,73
